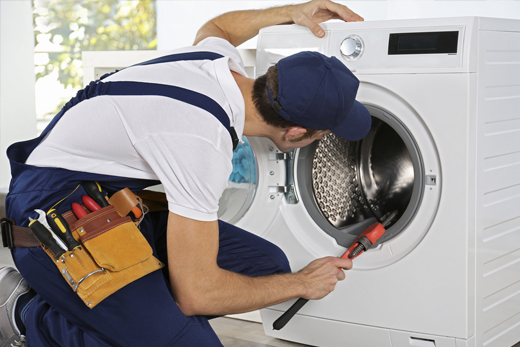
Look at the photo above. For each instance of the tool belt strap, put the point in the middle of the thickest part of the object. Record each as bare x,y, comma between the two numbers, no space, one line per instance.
16,236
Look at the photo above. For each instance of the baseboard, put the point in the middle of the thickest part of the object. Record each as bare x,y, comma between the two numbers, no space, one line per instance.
253,316
3,193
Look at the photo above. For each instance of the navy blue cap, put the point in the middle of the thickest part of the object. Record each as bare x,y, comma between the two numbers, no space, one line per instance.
318,92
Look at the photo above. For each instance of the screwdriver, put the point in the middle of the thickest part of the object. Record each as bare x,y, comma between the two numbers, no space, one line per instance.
43,235
93,190
136,213
61,228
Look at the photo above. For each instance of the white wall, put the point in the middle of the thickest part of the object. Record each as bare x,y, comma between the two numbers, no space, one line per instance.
178,21
17,106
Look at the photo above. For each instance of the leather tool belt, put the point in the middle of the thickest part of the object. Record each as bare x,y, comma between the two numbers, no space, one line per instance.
16,236
113,251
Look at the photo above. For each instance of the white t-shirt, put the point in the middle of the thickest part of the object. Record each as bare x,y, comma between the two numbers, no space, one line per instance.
156,137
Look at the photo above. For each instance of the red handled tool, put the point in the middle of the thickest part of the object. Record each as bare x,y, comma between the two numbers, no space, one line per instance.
78,211
90,203
136,212
364,241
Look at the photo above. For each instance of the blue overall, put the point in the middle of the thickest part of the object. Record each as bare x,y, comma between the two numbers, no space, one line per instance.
142,313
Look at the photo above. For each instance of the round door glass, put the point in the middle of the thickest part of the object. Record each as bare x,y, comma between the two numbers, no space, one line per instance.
346,185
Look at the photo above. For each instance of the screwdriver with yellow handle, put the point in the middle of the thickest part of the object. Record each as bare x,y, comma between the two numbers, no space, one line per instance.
44,236
61,228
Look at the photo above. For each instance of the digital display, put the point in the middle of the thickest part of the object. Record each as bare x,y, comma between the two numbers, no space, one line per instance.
441,42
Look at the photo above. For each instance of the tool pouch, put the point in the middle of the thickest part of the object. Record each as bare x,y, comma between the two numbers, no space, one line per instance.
113,254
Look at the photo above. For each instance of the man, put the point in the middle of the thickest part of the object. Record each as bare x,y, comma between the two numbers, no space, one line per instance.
175,120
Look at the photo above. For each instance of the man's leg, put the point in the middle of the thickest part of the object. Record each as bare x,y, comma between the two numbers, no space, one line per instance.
239,250
243,252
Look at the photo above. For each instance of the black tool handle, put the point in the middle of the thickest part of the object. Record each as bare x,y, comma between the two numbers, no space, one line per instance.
286,317
93,189
61,228
44,236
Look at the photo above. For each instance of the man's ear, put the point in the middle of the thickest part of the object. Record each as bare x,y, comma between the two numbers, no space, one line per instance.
292,133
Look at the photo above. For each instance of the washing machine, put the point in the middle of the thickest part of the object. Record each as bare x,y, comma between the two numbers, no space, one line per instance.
443,151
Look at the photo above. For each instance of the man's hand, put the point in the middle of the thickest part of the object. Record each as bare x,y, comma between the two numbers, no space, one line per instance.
317,11
321,275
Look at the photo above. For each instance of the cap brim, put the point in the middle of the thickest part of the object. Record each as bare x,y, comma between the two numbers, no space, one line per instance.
356,125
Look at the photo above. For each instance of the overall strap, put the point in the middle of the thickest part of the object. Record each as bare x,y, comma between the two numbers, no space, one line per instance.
201,55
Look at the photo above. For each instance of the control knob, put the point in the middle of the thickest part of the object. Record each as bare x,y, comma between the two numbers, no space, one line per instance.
352,47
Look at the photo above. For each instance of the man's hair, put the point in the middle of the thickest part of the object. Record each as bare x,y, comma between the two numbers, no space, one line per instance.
263,105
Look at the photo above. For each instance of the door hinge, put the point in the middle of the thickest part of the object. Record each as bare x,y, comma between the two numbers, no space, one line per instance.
289,190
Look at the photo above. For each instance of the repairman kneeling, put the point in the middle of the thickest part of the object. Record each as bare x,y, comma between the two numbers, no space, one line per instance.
173,120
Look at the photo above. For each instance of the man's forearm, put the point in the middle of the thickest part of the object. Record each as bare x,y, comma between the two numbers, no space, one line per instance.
240,26
219,292
230,293
201,287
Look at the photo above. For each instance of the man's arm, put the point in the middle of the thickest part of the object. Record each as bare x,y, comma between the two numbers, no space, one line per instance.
200,287
239,26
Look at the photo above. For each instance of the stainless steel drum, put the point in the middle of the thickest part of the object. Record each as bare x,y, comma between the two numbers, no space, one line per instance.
336,182
347,185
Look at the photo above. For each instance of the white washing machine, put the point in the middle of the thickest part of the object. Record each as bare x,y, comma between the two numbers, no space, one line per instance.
444,151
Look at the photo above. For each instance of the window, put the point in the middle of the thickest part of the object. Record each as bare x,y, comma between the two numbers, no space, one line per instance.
65,28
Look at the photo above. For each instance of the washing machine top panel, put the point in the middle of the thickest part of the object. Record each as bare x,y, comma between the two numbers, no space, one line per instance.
399,46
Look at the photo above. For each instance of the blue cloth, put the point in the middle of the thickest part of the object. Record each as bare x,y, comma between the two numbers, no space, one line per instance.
244,164
142,313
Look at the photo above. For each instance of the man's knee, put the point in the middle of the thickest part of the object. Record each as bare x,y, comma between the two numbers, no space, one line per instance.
280,259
